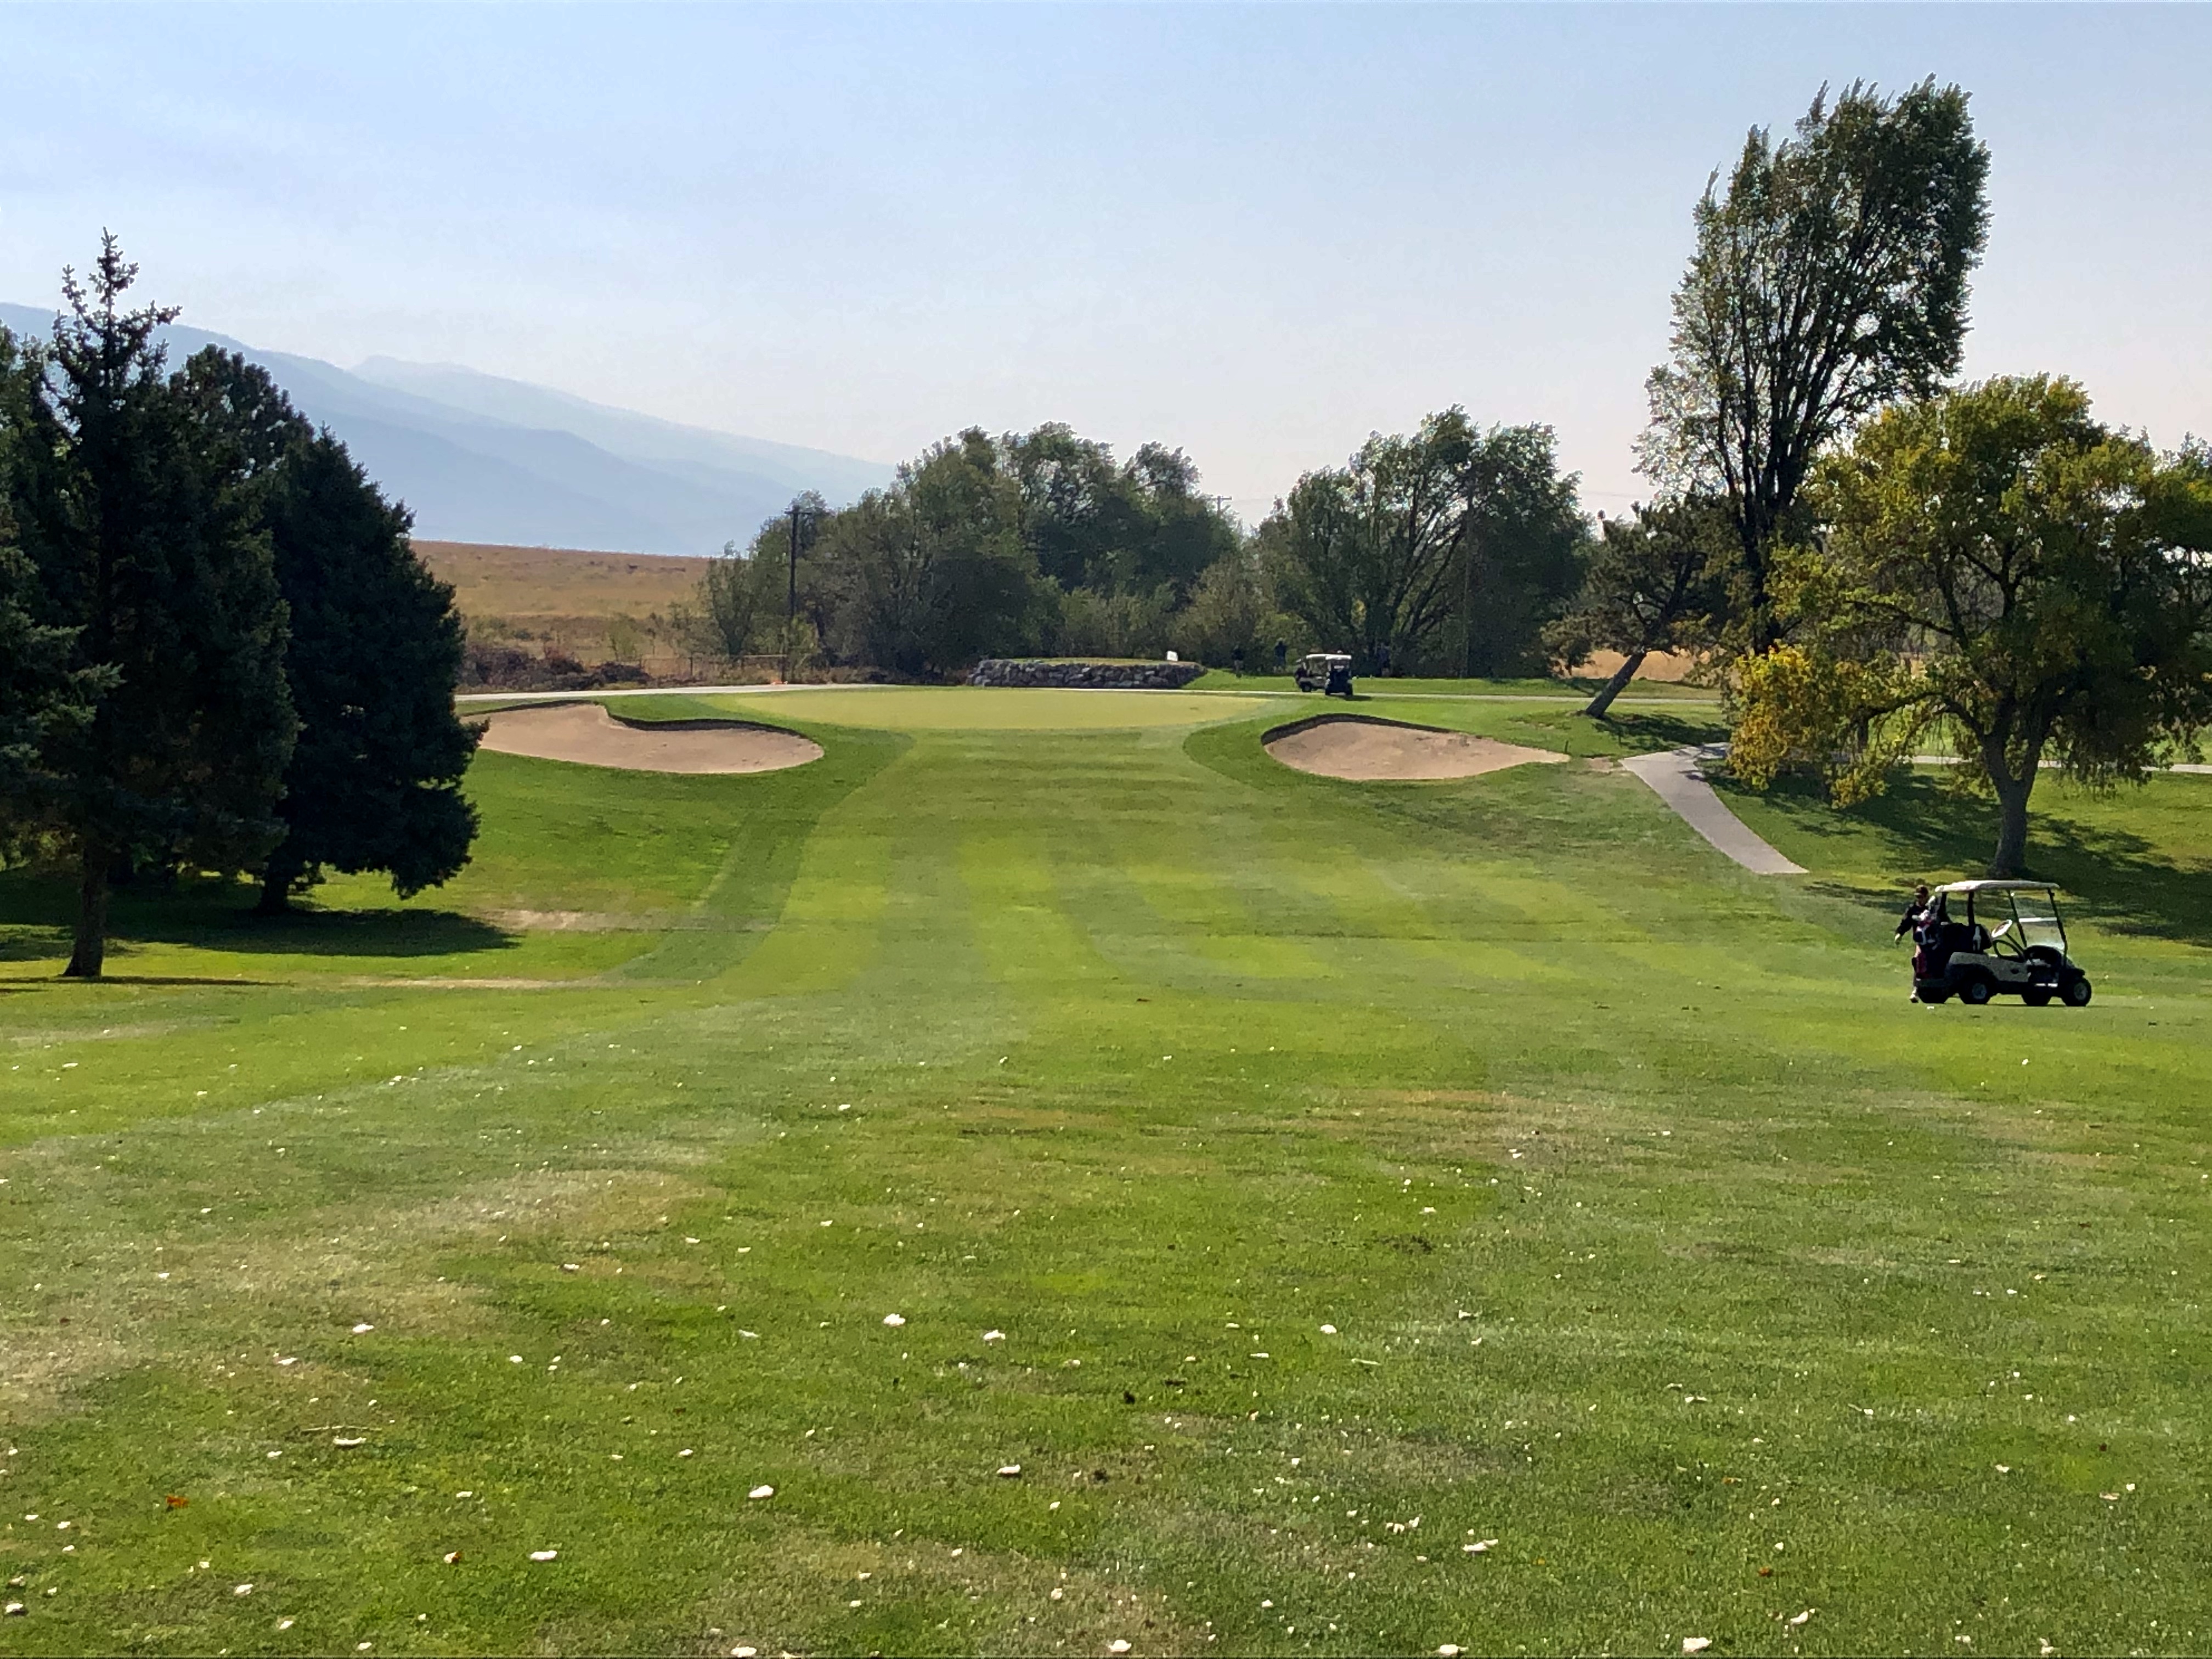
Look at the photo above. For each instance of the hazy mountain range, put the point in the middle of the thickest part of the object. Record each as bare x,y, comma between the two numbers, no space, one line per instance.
480,459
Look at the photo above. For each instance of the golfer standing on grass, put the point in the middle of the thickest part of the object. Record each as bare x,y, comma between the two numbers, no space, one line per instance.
1916,914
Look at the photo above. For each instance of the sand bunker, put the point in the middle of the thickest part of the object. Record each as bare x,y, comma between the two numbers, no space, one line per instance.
585,733
1372,751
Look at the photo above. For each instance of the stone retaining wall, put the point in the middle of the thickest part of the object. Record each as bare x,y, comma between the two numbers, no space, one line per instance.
1092,676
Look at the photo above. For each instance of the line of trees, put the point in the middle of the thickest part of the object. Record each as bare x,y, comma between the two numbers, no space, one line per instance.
1446,551
217,649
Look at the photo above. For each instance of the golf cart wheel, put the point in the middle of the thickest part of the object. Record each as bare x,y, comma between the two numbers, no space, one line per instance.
1976,992
2077,994
2035,999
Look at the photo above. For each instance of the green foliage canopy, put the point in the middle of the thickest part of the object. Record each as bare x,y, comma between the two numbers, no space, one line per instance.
1996,566
929,573
1454,537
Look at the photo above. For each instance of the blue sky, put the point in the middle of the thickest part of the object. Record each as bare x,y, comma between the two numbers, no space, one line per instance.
1256,232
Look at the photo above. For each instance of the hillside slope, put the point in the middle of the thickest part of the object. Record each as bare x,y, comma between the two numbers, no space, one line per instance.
483,459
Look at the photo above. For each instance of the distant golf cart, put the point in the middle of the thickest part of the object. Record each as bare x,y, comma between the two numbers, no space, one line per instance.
1328,672
1983,937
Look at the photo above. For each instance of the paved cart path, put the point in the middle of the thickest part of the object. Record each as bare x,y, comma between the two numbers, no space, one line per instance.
1676,776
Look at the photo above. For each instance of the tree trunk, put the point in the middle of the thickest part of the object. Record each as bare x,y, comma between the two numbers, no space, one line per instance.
90,951
1613,687
2012,821
276,891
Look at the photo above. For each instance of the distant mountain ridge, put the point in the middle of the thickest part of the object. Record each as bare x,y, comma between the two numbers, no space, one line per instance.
480,459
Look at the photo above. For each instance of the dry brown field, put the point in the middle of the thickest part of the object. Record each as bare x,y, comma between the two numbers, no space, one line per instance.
592,604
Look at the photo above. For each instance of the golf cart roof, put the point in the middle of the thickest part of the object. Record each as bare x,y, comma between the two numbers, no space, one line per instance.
1999,887
1327,656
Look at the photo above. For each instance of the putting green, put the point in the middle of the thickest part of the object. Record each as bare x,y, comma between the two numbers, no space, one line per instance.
988,708
1103,1186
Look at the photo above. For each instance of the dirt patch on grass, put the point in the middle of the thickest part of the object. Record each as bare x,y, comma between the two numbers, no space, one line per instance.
1365,750
586,734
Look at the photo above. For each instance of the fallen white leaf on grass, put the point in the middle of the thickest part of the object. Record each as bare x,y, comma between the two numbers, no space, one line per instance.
1117,1645
1009,1471
1696,1643
2005,1468
544,1555
1328,1330
572,1268
1802,1619
1483,1548
17,1610
347,1440
241,1589
761,1492
742,1652
293,1359
686,1452
285,1624
1057,1593
1449,1650
452,1557
514,1359
363,1329
894,1319
994,1336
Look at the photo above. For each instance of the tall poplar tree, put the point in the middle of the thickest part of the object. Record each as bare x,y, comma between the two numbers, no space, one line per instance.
1830,280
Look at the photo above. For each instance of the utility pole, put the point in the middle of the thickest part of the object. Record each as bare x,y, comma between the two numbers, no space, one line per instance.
791,594
790,597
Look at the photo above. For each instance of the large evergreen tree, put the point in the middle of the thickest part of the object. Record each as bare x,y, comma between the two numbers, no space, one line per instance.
141,521
40,692
374,780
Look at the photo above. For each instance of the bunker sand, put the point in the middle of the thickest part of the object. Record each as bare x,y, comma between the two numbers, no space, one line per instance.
1365,750
585,733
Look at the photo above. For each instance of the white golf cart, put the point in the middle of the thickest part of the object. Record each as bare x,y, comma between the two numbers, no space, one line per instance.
1328,672
1983,937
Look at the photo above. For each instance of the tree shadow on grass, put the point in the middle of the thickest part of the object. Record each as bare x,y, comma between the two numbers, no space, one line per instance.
1649,732
38,912
1935,834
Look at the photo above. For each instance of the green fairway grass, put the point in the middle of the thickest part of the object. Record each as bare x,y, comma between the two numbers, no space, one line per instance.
1299,1182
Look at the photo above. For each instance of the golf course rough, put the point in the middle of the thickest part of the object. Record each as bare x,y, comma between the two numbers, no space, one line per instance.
1369,1219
